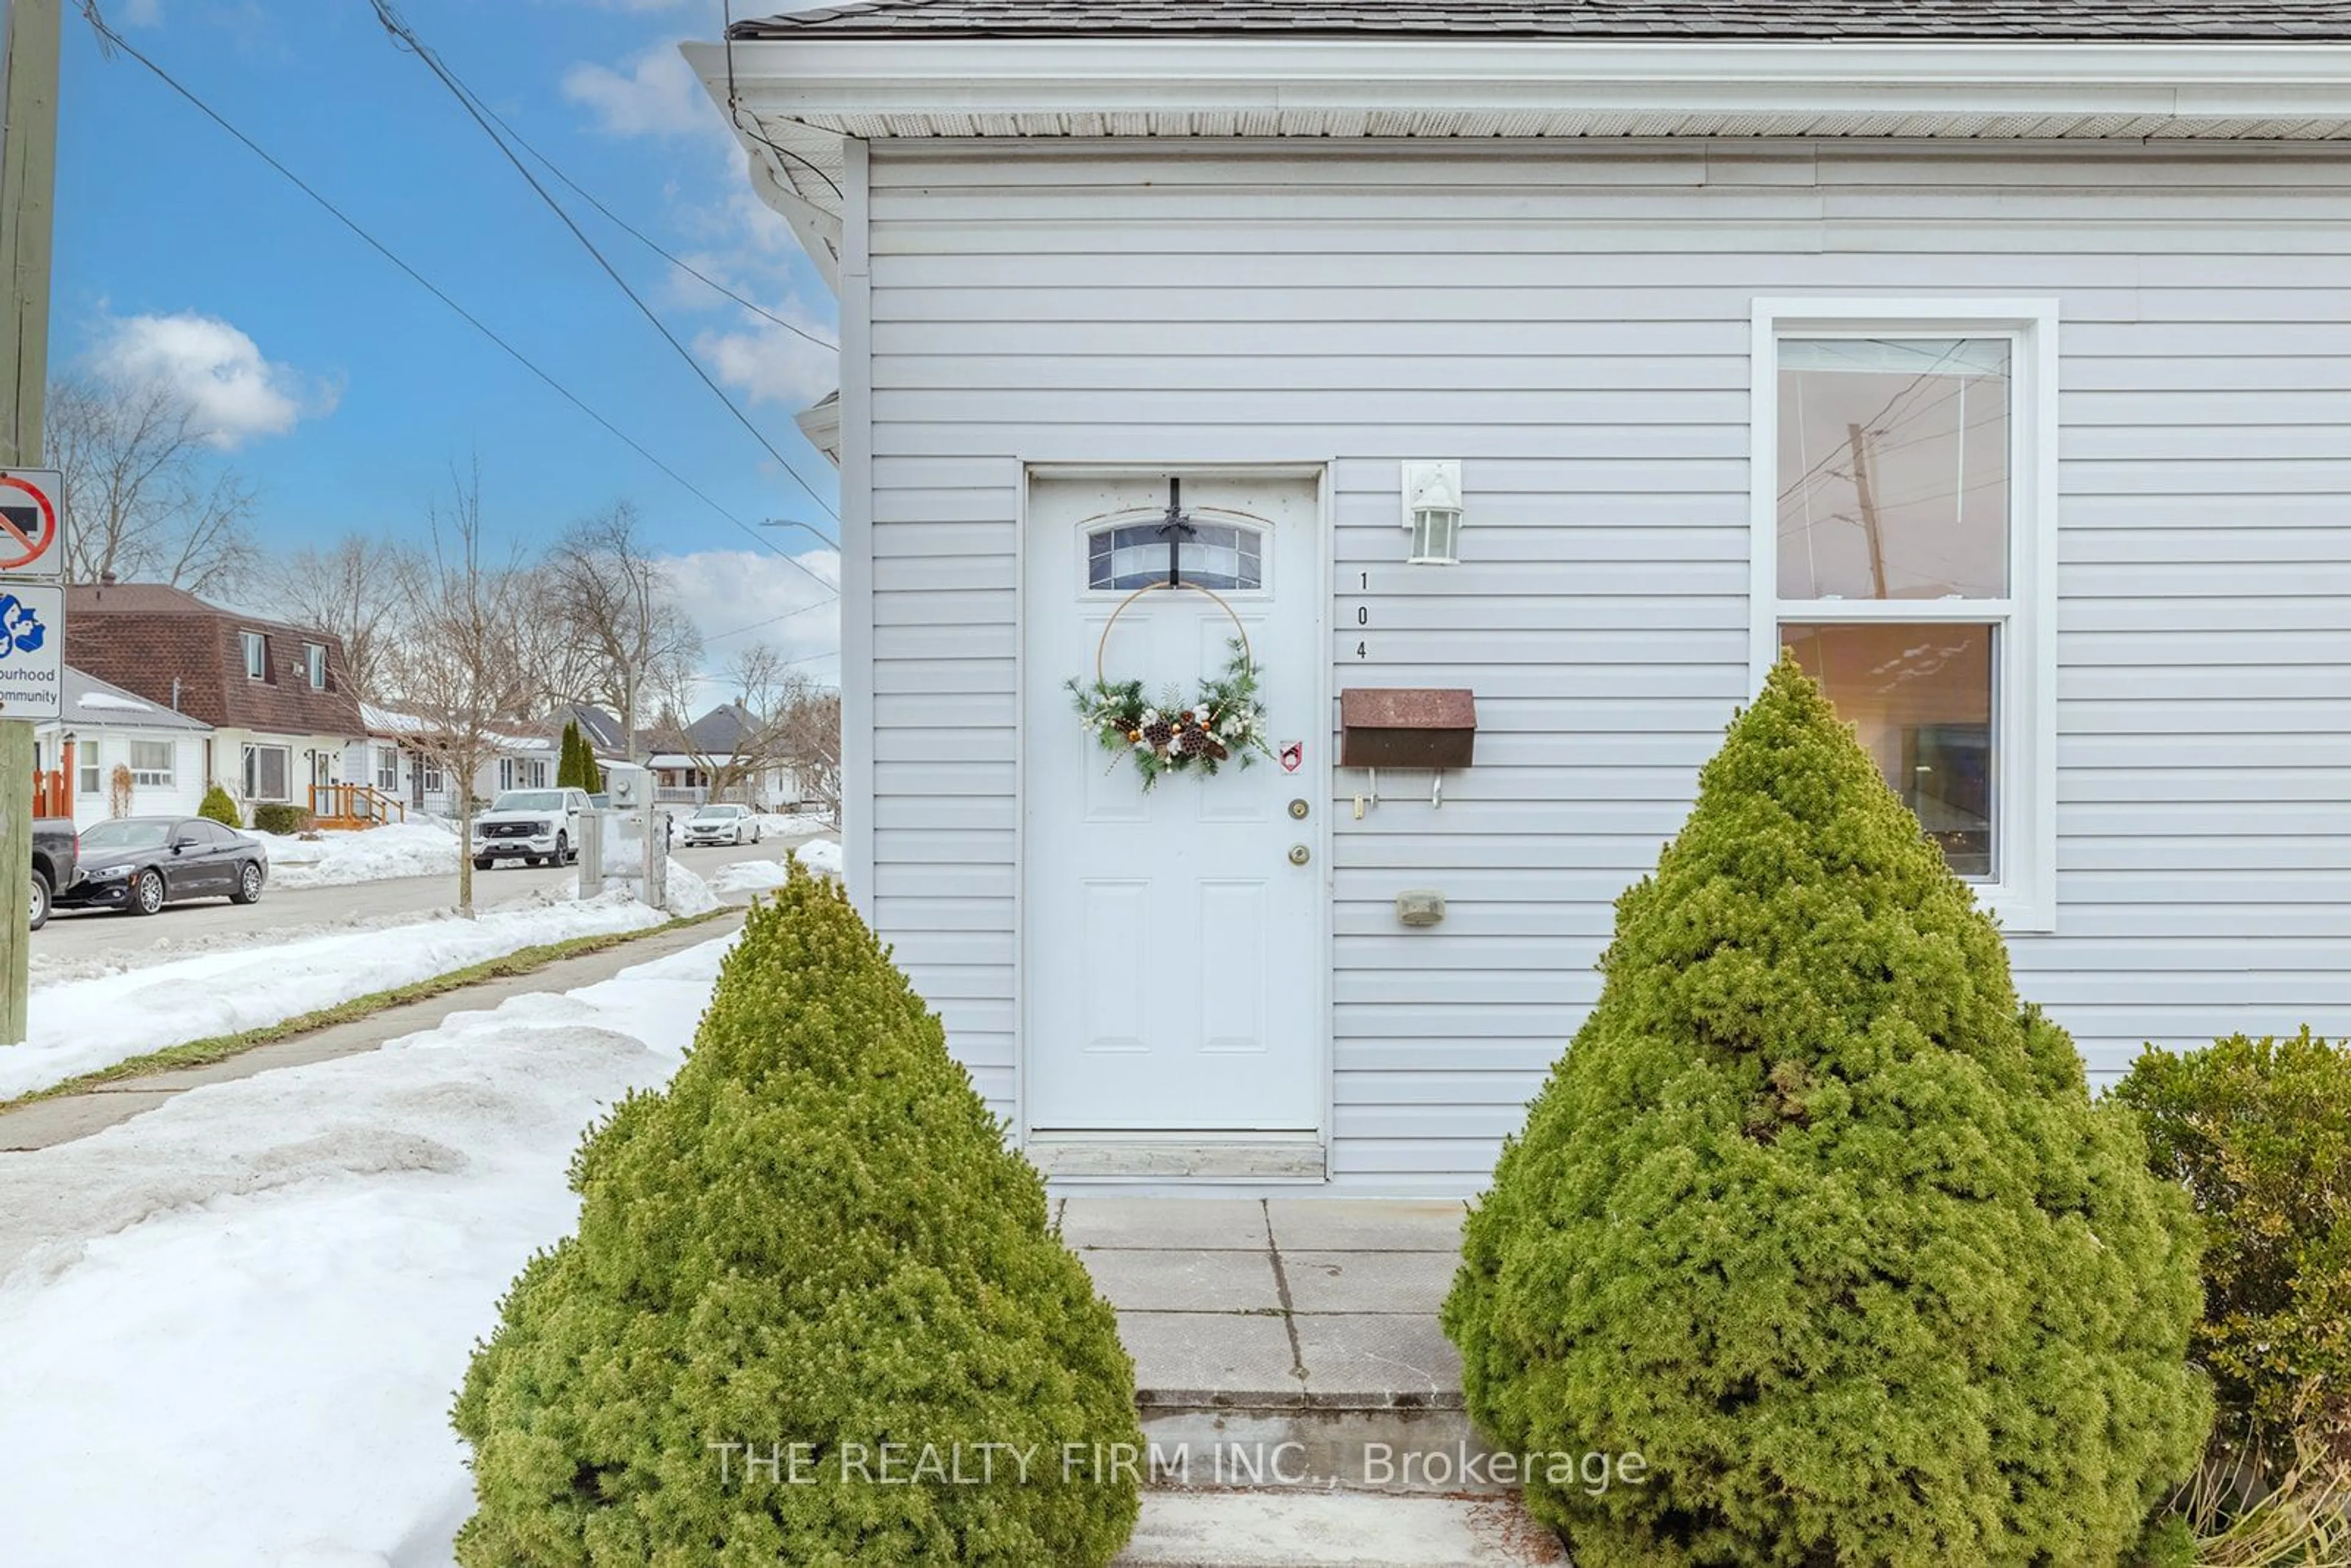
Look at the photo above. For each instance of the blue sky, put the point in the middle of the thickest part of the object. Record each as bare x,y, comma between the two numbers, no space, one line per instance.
344,389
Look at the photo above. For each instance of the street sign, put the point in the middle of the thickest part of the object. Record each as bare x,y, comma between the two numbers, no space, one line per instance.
32,650
32,524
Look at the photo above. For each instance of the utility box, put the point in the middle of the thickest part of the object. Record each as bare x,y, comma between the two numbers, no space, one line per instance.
1406,727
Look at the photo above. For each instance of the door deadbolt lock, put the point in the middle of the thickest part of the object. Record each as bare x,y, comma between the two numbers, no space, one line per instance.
1299,809
1300,854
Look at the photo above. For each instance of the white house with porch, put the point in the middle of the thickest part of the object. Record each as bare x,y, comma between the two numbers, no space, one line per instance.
397,769
115,748
1517,381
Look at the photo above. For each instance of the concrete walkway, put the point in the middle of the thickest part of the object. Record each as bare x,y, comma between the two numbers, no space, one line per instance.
1301,1404
45,1123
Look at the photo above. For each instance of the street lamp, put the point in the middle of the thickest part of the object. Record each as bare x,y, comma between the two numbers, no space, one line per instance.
825,540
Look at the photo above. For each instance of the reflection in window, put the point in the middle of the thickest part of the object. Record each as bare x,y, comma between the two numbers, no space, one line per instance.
1920,698
1216,555
1893,467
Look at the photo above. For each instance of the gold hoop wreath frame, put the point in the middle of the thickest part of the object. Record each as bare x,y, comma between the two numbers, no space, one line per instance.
1223,722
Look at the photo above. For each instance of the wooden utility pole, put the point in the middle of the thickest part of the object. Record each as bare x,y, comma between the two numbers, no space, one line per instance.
28,181
1868,502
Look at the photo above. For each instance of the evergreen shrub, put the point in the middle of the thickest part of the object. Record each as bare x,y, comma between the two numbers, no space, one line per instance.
1818,1221
278,817
2259,1132
813,1235
221,807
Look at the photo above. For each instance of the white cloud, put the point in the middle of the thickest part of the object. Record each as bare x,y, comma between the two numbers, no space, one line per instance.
656,94
141,13
769,364
740,597
236,395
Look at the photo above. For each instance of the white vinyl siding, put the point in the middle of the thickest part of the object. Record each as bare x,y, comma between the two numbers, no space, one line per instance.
1573,321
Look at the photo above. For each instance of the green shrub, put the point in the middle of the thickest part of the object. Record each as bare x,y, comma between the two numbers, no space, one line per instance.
221,807
815,1235
2259,1132
591,776
277,816
1821,1224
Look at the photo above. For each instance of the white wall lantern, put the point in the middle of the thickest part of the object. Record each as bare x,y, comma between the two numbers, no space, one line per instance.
1432,512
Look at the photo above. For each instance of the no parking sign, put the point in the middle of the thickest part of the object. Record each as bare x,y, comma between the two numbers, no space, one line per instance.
32,530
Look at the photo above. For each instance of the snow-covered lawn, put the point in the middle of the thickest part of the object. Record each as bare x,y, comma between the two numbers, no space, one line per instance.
238,1321
368,854
821,855
79,1026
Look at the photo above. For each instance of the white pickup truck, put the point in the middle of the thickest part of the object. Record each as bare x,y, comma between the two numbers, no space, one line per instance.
534,826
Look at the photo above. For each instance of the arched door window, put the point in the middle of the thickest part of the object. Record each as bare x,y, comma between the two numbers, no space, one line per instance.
1122,556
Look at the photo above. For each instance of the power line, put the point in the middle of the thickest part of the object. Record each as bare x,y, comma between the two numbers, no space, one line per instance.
406,37
770,621
646,240
114,40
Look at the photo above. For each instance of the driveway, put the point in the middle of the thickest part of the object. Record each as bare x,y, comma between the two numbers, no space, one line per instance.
73,934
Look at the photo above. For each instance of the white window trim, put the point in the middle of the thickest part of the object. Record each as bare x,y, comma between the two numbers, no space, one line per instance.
314,664
254,645
2025,676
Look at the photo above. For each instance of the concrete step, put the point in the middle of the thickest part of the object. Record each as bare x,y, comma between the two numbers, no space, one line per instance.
1300,1529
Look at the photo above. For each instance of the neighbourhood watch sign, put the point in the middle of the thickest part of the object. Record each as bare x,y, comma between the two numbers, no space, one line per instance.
32,650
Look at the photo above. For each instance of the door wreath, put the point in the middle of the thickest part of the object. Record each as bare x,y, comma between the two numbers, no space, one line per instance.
1223,722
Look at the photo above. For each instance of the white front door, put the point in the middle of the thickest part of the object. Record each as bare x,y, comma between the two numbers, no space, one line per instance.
1173,946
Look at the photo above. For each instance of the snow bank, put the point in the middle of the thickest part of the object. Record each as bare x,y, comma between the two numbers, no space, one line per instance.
795,824
79,1026
688,893
821,856
368,854
240,1319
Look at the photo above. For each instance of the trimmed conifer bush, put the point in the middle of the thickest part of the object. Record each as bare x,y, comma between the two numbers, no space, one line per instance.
812,1243
1820,1223
221,807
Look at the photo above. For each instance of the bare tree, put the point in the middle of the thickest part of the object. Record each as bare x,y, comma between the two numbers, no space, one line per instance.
347,591
777,718
616,616
808,720
463,672
149,496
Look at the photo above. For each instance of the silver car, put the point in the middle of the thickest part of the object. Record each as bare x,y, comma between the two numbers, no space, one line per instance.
723,825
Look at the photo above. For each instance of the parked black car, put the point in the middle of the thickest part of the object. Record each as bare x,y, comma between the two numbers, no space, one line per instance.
140,863
54,856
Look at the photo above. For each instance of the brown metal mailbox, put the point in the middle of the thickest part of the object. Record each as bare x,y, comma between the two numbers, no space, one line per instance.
1406,729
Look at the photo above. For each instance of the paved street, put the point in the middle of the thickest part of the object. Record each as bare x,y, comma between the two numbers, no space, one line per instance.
79,935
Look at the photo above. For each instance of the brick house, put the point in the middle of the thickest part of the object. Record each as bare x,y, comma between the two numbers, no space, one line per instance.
280,698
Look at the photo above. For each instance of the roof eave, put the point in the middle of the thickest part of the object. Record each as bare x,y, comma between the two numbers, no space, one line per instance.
800,99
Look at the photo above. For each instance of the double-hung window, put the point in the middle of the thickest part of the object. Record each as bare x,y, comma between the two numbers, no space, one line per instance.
256,655
1905,462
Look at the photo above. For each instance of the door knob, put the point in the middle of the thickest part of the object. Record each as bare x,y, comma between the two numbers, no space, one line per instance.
1299,809
1300,854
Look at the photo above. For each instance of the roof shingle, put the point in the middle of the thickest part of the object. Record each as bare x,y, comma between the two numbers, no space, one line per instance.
2087,21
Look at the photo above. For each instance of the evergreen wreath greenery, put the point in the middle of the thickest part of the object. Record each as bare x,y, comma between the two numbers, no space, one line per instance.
1224,723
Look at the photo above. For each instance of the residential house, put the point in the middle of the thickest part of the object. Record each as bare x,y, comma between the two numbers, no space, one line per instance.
602,731
699,764
114,746
1996,358
277,698
389,758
